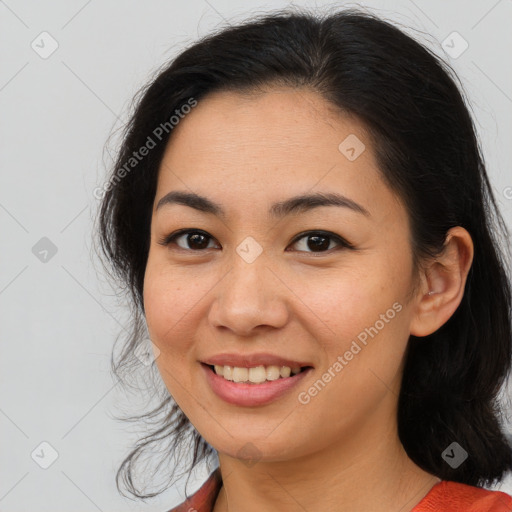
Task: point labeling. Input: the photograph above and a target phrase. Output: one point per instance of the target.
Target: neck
(368, 467)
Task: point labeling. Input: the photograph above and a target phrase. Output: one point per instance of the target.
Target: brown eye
(319, 241)
(188, 240)
(315, 241)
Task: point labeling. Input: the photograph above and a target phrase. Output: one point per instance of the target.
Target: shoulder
(204, 498)
(445, 496)
(448, 496)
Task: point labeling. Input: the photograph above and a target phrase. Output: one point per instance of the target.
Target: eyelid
(170, 238)
(342, 242)
(327, 234)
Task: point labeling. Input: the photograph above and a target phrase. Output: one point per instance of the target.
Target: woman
(301, 213)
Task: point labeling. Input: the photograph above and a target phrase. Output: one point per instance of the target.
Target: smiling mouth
(256, 375)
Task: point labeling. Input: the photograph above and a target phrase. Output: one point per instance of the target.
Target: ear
(443, 282)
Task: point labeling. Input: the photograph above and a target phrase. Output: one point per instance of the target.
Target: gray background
(59, 317)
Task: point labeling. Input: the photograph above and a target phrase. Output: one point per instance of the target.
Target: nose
(249, 297)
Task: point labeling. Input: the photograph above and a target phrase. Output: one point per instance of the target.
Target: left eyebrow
(306, 202)
(293, 205)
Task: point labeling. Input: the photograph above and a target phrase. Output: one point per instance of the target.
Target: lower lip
(248, 395)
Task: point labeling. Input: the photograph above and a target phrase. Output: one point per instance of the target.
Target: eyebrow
(293, 205)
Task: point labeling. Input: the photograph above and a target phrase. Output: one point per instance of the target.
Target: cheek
(156, 300)
(165, 304)
(362, 318)
(348, 301)
(175, 303)
(363, 348)
(165, 312)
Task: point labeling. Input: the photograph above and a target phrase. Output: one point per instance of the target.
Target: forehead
(273, 119)
(268, 145)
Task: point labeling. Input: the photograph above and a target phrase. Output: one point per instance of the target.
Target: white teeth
(285, 371)
(273, 373)
(228, 372)
(240, 374)
(257, 374)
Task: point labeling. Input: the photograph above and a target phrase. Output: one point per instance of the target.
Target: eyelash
(170, 239)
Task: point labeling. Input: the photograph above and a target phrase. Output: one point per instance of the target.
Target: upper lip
(252, 360)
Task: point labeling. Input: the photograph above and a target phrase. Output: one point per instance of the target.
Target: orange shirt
(445, 496)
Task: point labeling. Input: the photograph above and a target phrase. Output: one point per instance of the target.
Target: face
(325, 285)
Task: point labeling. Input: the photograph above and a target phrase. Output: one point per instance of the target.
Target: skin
(341, 450)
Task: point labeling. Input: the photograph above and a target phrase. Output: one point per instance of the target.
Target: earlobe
(443, 284)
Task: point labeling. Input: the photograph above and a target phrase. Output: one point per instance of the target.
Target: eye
(192, 238)
(197, 240)
(320, 240)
